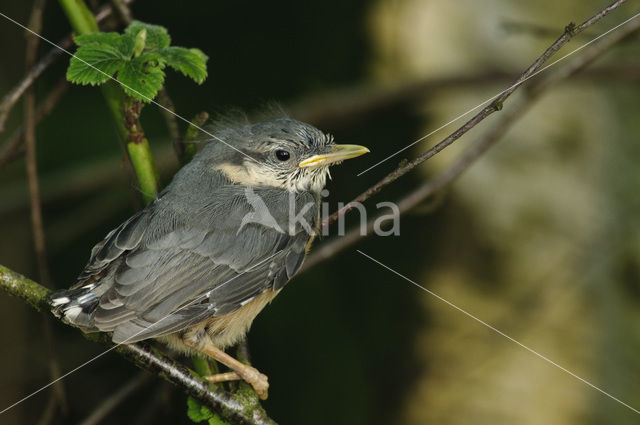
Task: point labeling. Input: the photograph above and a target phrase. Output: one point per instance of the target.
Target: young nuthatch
(195, 267)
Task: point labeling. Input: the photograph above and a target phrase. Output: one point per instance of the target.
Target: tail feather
(75, 306)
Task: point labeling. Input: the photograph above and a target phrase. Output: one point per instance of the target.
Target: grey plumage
(188, 256)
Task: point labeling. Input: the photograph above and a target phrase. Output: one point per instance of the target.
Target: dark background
(541, 239)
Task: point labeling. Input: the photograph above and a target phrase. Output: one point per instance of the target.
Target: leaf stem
(79, 16)
(126, 116)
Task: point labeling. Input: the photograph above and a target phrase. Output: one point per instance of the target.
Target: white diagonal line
(124, 85)
(125, 341)
(482, 322)
(499, 94)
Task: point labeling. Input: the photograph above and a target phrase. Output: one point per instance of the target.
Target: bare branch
(570, 31)
(30, 142)
(14, 147)
(431, 187)
(177, 141)
(111, 402)
(346, 107)
(58, 396)
(10, 99)
(122, 10)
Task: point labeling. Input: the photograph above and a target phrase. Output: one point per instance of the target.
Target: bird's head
(281, 153)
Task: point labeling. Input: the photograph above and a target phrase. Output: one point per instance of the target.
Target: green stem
(189, 148)
(145, 169)
(128, 125)
(138, 149)
(79, 16)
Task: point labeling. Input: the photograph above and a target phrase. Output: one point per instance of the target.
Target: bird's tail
(75, 306)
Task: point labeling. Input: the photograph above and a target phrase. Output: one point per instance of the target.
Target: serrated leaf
(110, 38)
(157, 36)
(142, 77)
(122, 42)
(95, 64)
(217, 420)
(197, 412)
(126, 44)
(190, 62)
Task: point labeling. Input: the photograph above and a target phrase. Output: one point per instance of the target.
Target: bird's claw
(259, 381)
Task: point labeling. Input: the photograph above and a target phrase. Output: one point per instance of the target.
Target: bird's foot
(251, 375)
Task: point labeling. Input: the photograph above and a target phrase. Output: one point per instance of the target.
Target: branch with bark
(239, 407)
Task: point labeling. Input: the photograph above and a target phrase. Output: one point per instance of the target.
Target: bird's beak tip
(338, 153)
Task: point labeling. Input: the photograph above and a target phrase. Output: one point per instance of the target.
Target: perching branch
(496, 105)
(239, 407)
(506, 121)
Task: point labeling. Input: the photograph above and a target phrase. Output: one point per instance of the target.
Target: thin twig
(533, 28)
(235, 407)
(11, 98)
(123, 11)
(431, 187)
(346, 107)
(169, 116)
(58, 397)
(30, 142)
(570, 31)
(154, 405)
(111, 402)
(14, 148)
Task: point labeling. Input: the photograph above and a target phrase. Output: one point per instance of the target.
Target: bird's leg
(251, 375)
(223, 377)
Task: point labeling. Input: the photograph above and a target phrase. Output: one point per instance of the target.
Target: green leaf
(123, 43)
(190, 62)
(110, 38)
(198, 412)
(157, 36)
(142, 77)
(217, 420)
(95, 64)
(137, 57)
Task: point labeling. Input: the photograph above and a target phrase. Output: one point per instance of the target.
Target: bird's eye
(282, 155)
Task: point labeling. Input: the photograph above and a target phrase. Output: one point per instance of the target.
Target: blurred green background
(540, 238)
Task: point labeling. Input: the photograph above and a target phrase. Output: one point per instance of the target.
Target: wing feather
(166, 269)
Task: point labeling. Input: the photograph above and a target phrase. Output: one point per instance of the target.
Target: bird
(198, 263)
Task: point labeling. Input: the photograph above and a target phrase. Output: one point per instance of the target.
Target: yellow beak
(338, 153)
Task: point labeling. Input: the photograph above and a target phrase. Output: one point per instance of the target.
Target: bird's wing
(160, 273)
